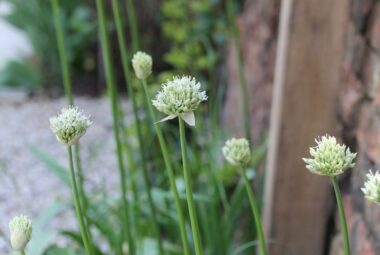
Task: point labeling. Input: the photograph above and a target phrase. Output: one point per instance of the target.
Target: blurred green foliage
(20, 73)
(195, 30)
(35, 18)
(220, 225)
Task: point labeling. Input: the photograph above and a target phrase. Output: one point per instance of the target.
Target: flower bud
(371, 187)
(237, 152)
(180, 97)
(21, 232)
(329, 158)
(125, 248)
(142, 64)
(69, 125)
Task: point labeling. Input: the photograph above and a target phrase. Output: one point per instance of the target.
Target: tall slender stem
(70, 100)
(169, 168)
(110, 80)
(342, 217)
(132, 21)
(22, 252)
(62, 52)
(128, 78)
(133, 25)
(82, 225)
(256, 214)
(189, 194)
(123, 49)
(82, 194)
(242, 76)
(126, 71)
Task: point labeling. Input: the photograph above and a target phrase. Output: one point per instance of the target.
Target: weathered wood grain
(305, 105)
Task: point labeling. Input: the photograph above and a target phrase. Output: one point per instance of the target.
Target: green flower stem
(342, 217)
(132, 21)
(133, 169)
(68, 91)
(69, 96)
(82, 226)
(82, 194)
(110, 80)
(150, 199)
(242, 76)
(256, 214)
(133, 25)
(22, 252)
(153, 214)
(62, 52)
(169, 168)
(128, 78)
(189, 194)
(218, 182)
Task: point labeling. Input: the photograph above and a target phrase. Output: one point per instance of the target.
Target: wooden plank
(311, 39)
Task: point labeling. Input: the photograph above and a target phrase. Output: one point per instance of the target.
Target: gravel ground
(26, 185)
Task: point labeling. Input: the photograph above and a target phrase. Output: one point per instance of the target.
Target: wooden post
(307, 74)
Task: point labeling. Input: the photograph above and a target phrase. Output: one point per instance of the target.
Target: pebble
(27, 186)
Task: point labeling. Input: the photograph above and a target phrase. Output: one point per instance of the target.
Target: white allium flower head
(237, 152)
(142, 64)
(69, 125)
(329, 158)
(21, 232)
(180, 97)
(371, 187)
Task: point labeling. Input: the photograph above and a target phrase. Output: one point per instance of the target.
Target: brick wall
(360, 123)
(258, 33)
(359, 106)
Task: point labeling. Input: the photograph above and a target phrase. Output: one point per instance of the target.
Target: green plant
(168, 166)
(127, 74)
(112, 91)
(82, 225)
(187, 26)
(67, 85)
(342, 216)
(69, 126)
(212, 191)
(196, 31)
(329, 158)
(179, 98)
(20, 73)
(237, 152)
(35, 18)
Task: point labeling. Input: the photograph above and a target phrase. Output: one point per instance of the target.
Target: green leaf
(102, 216)
(60, 251)
(60, 171)
(77, 238)
(244, 247)
(42, 235)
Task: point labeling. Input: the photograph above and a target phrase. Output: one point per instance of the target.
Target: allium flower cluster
(329, 158)
(69, 125)
(142, 65)
(180, 97)
(237, 152)
(21, 232)
(371, 187)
